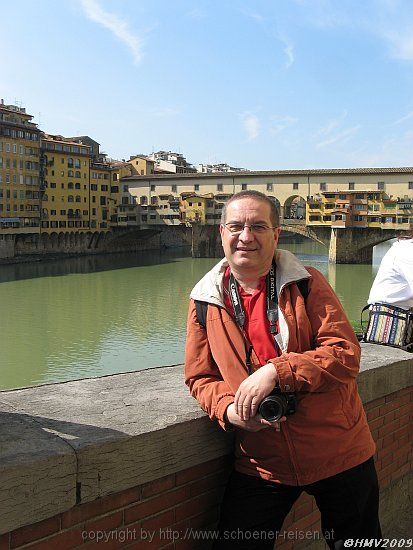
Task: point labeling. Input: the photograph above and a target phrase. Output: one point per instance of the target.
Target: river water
(91, 316)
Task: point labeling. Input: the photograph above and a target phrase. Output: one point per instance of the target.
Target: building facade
(168, 161)
(19, 171)
(344, 209)
(292, 191)
(65, 182)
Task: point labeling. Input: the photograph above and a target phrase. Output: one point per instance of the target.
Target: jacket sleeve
(202, 374)
(334, 357)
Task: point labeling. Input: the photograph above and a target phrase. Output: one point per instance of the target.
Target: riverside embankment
(132, 455)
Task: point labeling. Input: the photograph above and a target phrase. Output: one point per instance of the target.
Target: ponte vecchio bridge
(349, 210)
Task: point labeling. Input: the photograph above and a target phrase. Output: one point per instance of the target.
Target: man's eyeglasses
(238, 228)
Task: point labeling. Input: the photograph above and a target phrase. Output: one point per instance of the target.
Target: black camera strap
(272, 309)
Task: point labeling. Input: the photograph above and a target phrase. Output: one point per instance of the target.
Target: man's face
(249, 251)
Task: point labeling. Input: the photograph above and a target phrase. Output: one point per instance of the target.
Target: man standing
(273, 325)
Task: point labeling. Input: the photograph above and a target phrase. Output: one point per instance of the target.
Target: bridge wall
(24, 247)
(132, 456)
(345, 245)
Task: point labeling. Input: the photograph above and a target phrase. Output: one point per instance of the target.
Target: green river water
(91, 316)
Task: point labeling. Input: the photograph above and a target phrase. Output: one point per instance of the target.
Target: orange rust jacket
(320, 361)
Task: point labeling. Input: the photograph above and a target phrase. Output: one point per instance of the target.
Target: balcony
(174, 203)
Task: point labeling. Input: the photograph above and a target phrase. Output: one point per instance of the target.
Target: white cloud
(393, 151)
(332, 125)
(280, 123)
(340, 137)
(115, 24)
(288, 49)
(289, 52)
(251, 125)
(197, 13)
(162, 112)
(401, 45)
(403, 118)
(255, 16)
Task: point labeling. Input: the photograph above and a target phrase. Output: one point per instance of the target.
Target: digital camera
(277, 404)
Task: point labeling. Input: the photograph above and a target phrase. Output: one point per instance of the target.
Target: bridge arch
(294, 208)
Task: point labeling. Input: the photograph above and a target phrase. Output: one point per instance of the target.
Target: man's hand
(253, 390)
(254, 424)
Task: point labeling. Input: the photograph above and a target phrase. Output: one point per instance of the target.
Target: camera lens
(272, 408)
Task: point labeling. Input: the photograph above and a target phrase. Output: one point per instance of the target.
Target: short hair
(257, 195)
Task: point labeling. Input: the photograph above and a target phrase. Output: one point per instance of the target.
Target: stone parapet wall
(21, 247)
(131, 456)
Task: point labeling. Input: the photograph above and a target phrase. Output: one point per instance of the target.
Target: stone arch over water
(295, 207)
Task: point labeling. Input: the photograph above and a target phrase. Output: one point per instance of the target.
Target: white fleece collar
(210, 288)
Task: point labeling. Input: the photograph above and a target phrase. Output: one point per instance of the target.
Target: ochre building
(19, 171)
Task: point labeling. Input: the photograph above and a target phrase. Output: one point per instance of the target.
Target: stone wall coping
(66, 443)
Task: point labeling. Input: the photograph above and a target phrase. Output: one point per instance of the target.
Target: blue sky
(269, 84)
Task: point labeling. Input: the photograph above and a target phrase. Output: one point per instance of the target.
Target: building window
(196, 187)
(295, 185)
(153, 187)
(380, 185)
(220, 187)
(410, 184)
(351, 186)
(323, 187)
(269, 186)
(174, 188)
(244, 186)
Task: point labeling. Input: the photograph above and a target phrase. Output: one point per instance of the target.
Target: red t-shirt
(256, 326)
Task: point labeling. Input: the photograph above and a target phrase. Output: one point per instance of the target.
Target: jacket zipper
(284, 426)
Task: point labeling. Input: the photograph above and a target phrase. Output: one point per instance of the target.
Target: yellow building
(66, 194)
(195, 208)
(141, 165)
(342, 209)
(19, 171)
(101, 202)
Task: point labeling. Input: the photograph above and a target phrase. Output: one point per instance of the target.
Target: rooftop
(279, 173)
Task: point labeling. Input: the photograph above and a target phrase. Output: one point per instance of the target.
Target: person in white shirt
(394, 280)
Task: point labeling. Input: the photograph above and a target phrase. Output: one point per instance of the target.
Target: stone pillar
(205, 241)
(7, 247)
(345, 247)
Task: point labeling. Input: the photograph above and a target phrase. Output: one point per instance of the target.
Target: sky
(263, 84)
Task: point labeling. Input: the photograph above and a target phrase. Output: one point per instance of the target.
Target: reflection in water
(81, 317)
